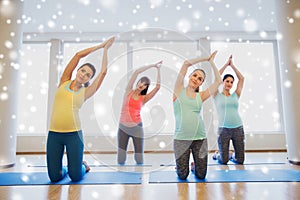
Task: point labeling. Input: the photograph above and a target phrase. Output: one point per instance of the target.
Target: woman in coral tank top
(130, 125)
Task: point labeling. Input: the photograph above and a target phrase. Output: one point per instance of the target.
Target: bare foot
(192, 166)
(231, 152)
(87, 167)
(215, 155)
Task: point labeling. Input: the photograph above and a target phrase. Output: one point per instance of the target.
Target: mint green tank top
(227, 109)
(188, 122)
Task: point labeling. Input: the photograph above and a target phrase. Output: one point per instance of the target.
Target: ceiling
(126, 15)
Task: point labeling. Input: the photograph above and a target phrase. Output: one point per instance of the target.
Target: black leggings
(182, 149)
(137, 135)
(237, 136)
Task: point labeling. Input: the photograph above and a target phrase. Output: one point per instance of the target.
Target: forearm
(142, 69)
(237, 72)
(218, 78)
(104, 62)
(158, 78)
(221, 71)
(89, 50)
(195, 61)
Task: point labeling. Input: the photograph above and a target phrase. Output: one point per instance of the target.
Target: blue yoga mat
(219, 176)
(91, 178)
(104, 165)
(231, 163)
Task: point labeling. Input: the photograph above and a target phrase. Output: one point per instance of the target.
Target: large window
(259, 102)
(33, 89)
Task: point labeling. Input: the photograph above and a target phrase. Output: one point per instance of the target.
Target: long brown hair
(145, 80)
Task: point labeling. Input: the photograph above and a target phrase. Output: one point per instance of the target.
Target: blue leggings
(56, 144)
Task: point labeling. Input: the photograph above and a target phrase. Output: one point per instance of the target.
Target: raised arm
(240, 77)
(179, 84)
(213, 88)
(151, 94)
(135, 74)
(225, 65)
(67, 74)
(92, 89)
(223, 69)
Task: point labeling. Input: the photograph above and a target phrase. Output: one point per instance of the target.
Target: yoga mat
(218, 164)
(104, 165)
(221, 176)
(91, 178)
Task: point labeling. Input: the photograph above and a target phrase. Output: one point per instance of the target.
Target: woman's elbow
(186, 63)
(219, 80)
(242, 78)
(103, 73)
(158, 86)
(78, 55)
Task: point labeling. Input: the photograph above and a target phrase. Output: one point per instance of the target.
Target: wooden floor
(215, 191)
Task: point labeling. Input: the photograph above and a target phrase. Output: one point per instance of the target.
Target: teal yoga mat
(91, 178)
(219, 176)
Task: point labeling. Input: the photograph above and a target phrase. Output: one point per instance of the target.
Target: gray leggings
(237, 136)
(182, 149)
(137, 135)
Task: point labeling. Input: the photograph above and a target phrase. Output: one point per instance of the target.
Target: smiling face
(196, 78)
(143, 85)
(228, 83)
(84, 74)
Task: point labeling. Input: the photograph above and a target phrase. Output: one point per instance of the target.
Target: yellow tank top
(65, 112)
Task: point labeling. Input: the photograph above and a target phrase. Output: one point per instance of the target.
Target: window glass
(259, 105)
(33, 89)
(157, 114)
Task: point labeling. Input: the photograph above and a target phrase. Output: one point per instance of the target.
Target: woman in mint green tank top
(190, 135)
(230, 122)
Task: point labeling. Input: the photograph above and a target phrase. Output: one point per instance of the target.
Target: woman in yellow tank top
(65, 130)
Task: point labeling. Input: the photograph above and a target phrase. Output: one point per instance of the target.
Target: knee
(223, 162)
(55, 178)
(75, 177)
(139, 158)
(182, 175)
(239, 161)
(121, 160)
(223, 159)
(201, 175)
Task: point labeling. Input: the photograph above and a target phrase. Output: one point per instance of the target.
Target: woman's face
(228, 83)
(196, 79)
(141, 86)
(84, 74)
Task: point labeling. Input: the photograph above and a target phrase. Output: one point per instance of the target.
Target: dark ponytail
(145, 80)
